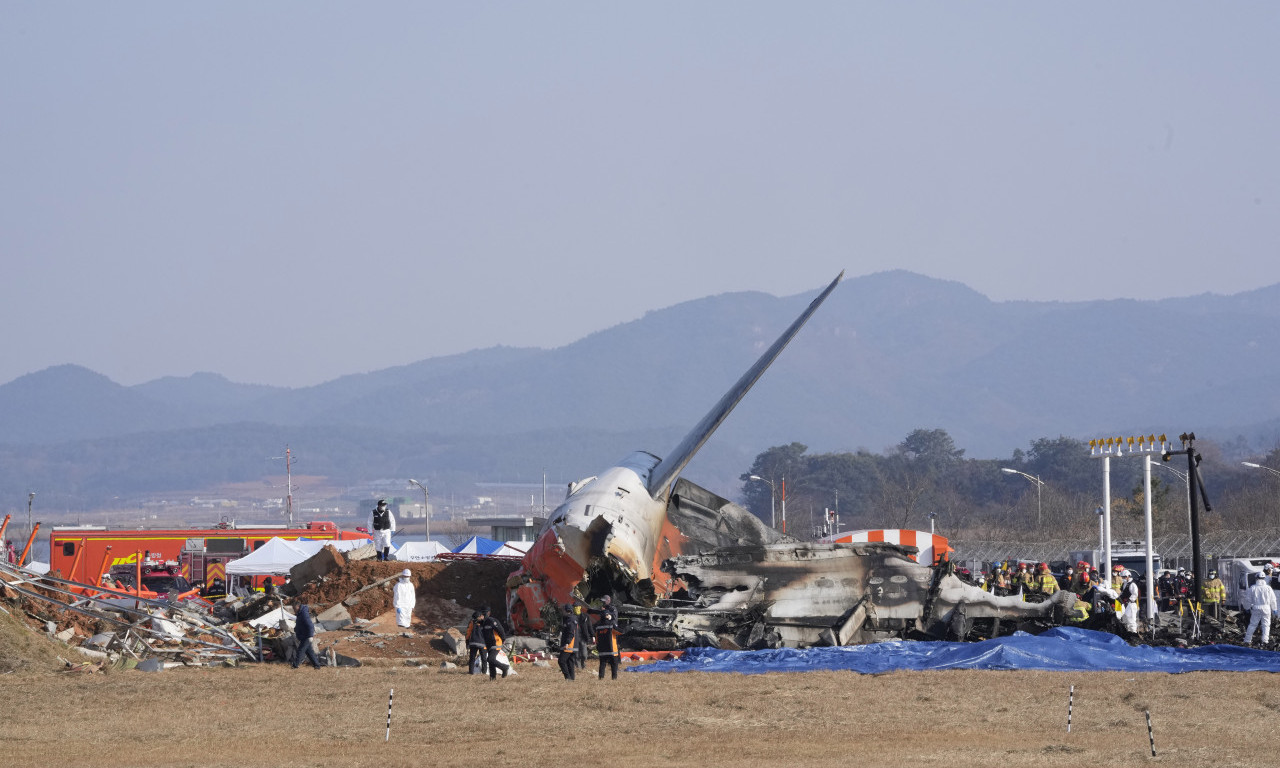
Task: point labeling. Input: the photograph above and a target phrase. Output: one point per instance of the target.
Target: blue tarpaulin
(1066, 649)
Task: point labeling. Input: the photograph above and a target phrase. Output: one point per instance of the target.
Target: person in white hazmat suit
(1261, 602)
(382, 524)
(1128, 601)
(403, 599)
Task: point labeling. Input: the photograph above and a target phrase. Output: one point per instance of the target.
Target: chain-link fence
(1174, 550)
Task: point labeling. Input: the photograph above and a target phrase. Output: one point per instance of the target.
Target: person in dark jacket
(568, 642)
(606, 635)
(493, 631)
(584, 637)
(475, 645)
(304, 629)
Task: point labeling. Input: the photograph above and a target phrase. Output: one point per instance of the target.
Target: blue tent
(1066, 649)
(479, 545)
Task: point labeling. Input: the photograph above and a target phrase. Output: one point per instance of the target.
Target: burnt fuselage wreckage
(688, 567)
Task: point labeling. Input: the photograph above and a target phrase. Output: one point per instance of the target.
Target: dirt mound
(22, 650)
(447, 591)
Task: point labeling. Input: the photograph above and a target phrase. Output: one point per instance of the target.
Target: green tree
(777, 465)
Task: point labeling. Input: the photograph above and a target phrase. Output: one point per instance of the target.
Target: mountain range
(888, 353)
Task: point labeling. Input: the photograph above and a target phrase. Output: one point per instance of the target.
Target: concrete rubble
(120, 629)
(349, 595)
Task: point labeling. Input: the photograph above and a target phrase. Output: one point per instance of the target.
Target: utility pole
(426, 507)
(1193, 473)
(288, 473)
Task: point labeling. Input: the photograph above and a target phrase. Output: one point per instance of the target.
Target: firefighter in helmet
(1024, 579)
(1213, 595)
(1117, 579)
(1045, 582)
(1081, 583)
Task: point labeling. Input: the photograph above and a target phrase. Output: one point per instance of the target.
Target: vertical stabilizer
(662, 475)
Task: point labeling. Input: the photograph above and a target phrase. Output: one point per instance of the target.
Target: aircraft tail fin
(674, 463)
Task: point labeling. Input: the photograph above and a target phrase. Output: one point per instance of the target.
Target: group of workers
(484, 645)
(574, 628)
(1124, 591)
(484, 640)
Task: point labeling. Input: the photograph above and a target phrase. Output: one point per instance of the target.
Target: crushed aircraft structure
(690, 567)
(801, 594)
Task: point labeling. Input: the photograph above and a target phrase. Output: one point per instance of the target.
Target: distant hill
(887, 354)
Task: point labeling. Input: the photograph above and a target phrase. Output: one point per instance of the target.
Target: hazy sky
(284, 193)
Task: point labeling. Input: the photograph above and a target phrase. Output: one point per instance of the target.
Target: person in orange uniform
(493, 631)
(475, 646)
(607, 636)
(568, 642)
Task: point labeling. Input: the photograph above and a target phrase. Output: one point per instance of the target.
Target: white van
(1235, 571)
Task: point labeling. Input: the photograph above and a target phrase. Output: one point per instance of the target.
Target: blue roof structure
(479, 545)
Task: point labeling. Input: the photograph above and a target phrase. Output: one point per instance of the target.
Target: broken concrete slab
(363, 552)
(150, 665)
(335, 617)
(100, 640)
(66, 635)
(323, 562)
(526, 643)
(454, 641)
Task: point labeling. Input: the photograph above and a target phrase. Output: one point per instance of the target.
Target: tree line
(1049, 491)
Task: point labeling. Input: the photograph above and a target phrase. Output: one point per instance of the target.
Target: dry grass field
(276, 716)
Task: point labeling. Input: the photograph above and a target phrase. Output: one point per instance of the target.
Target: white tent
(420, 551)
(274, 558)
(514, 548)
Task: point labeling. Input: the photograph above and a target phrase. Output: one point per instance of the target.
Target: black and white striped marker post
(1150, 736)
(391, 696)
(1071, 700)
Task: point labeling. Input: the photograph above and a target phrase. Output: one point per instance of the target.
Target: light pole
(1038, 483)
(1275, 472)
(426, 510)
(1187, 481)
(773, 494)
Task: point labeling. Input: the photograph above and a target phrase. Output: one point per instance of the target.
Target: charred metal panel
(824, 593)
(709, 521)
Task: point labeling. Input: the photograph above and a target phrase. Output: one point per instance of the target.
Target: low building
(509, 528)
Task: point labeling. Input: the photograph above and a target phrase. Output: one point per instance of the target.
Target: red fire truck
(84, 553)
